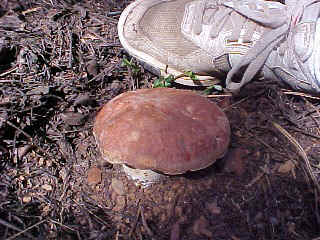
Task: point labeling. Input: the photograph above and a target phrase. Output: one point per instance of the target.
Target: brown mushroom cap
(166, 130)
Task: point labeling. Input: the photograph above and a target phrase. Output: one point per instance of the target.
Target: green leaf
(125, 63)
(157, 83)
(210, 89)
(218, 87)
(129, 64)
(163, 81)
(191, 75)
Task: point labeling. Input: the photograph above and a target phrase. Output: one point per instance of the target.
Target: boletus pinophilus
(161, 131)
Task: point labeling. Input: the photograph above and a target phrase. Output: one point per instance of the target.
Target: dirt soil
(60, 62)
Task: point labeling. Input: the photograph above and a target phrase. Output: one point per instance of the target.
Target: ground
(60, 62)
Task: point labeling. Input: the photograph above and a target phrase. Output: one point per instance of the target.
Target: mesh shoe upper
(150, 31)
(211, 37)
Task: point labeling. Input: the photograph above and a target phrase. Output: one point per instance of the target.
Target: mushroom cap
(161, 129)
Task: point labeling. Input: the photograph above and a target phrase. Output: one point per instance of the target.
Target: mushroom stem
(143, 178)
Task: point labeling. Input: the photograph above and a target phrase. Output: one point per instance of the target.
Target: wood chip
(118, 186)
(26, 199)
(47, 187)
(286, 167)
(94, 176)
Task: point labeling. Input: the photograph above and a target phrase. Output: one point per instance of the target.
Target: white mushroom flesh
(142, 178)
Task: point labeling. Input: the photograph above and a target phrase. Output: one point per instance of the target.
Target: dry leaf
(94, 176)
(286, 167)
(118, 186)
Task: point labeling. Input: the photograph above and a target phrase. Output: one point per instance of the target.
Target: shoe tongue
(189, 18)
(196, 24)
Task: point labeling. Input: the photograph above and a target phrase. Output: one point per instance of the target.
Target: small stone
(120, 203)
(47, 187)
(63, 173)
(73, 118)
(83, 99)
(49, 163)
(200, 227)
(118, 186)
(26, 199)
(45, 210)
(92, 67)
(41, 161)
(5, 101)
(94, 176)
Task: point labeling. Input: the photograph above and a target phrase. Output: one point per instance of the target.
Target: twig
(31, 10)
(62, 225)
(105, 72)
(116, 13)
(9, 81)
(144, 222)
(301, 152)
(236, 103)
(256, 179)
(316, 204)
(70, 49)
(25, 134)
(8, 225)
(301, 94)
(218, 95)
(316, 110)
(267, 145)
(103, 39)
(90, 212)
(136, 220)
(27, 229)
(65, 226)
(8, 72)
(305, 132)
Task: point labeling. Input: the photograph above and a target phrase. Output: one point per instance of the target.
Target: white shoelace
(281, 26)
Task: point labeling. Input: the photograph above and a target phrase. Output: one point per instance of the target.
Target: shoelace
(280, 25)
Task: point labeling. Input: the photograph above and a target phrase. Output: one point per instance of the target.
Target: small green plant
(212, 88)
(164, 81)
(191, 75)
(167, 81)
(130, 65)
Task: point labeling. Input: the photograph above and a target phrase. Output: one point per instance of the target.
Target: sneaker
(226, 39)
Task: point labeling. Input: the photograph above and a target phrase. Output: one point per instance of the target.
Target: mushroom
(158, 131)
